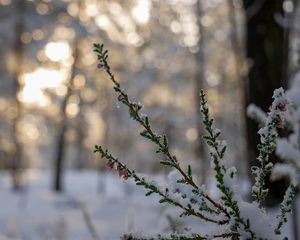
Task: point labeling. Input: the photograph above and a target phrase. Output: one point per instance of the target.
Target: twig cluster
(182, 191)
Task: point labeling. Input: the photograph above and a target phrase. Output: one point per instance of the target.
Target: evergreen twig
(268, 135)
(160, 141)
(225, 212)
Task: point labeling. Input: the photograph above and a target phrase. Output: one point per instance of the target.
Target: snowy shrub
(230, 217)
(287, 148)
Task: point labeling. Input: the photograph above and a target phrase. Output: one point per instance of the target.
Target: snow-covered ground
(93, 206)
(91, 201)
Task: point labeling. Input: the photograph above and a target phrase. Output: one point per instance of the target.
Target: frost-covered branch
(135, 113)
(268, 135)
(160, 141)
(223, 174)
(165, 195)
(285, 208)
(286, 148)
(237, 218)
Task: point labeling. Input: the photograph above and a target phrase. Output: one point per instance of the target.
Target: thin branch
(160, 141)
(128, 173)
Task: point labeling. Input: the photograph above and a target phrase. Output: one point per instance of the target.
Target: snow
(114, 206)
(256, 113)
(37, 213)
(260, 222)
(286, 151)
(293, 92)
(281, 170)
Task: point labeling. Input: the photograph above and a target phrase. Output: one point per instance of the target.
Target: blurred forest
(55, 104)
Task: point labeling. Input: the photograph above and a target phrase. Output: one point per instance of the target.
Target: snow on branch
(285, 208)
(230, 216)
(257, 114)
(268, 135)
(287, 148)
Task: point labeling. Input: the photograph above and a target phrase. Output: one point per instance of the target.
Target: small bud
(110, 164)
(282, 106)
(122, 172)
(133, 108)
(278, 122)
(100, 65)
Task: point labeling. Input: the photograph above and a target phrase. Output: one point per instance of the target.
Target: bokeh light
(141, 12)
(57, 51)
(34, 83)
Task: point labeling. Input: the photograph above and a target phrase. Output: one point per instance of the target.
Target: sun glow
(57, 51)
(141, 11)
(34, 84)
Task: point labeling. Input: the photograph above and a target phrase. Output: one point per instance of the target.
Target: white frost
(259, 221)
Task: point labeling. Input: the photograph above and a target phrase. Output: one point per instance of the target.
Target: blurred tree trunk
(200, 82)
(238, 47)
(61, 143)
(80, 136)
(239, 52)
(265, 50)
(16, 165)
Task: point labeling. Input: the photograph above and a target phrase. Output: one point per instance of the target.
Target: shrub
(287, 148)
(230, 216)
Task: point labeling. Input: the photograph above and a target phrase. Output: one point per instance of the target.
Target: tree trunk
(239, 52)
(199, 82)
(16, 166)
(61, 143)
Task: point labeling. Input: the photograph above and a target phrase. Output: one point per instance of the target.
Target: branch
(285, 208)
(268, 135)
(160, 141)
(125, 172)
(217, 154)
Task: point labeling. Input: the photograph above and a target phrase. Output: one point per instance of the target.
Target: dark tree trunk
(60, 155)
(80, 158)
(16, 165)
(61, 143)
(265, 50)
(199, 82)
(239, 53)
